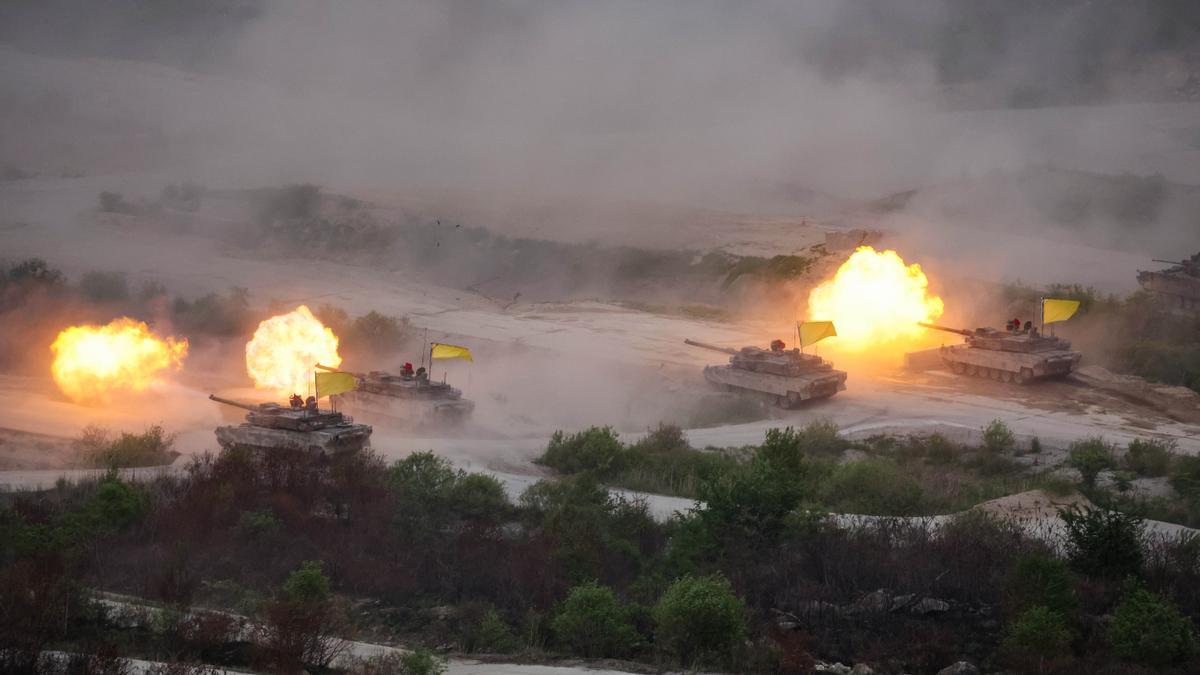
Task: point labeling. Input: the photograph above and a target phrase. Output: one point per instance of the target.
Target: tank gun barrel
(960, 331)
(1185, 263)
(337, 370)
(705, 345)
(236, 404)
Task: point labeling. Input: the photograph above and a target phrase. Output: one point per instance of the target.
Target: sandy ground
(551, 365)
(588, 359)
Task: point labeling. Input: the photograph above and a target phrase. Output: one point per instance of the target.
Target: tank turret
(306, 427)
(787, 376)
(1015, 355)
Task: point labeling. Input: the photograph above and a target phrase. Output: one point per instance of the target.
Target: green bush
(1039, 631)
(114, 507)
(1148, 629)
(786, 449)
(592, 528)
(939, 450)
(665, 439)
(294, 202)
(213, 314)
(97, 448)
(1104, 543)
(431, 494)
(114, 202)
(307, 585)
(997, 437)
(376, 333)
(257, 524)
(104, 286)
(1089, 457)
(490, 634)
(700, 620)
(1150, 457)
(1041, 580)
(1185, 478)
(872, 487)
(421, 662)
(591, 622)
(35, 270)
(595, 449)
(479, 497)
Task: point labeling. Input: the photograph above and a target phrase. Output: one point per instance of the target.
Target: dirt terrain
(622, 354)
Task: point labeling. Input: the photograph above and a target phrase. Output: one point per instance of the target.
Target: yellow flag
(815, 331)
(329, 384)
(1058, 310)
(441, 351)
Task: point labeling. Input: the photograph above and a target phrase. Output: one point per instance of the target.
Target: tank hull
(1008, 366)
(410, 412)
(785, 391)
(330, 440)
(1181, 291)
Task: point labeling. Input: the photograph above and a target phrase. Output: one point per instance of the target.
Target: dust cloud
(1061, 148)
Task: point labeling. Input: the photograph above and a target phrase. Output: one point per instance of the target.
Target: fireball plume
(285, 348)
(93, 362)
(875, 299)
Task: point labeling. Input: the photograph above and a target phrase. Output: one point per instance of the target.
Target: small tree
(1148, 629)
(104, 286)
(1042, 580)
(592, 623)
(299, 628)
(1150, 457)
(377, 333)
(700, 620)
(489, 633)
(1038, 632)
(594, 449)
(1089, 457)
(1104, 543)
(997, 437)
(1185, 478)
(665, 438)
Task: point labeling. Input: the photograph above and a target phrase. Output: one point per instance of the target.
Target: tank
(786, 376)
(270, 425)
(1007, 356)
(1178, 285)
(407, 399)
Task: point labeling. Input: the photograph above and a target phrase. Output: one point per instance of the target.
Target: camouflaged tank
(787, 376)
(1006, 355)
(270, 425)
(405, 400)
(1178, 286)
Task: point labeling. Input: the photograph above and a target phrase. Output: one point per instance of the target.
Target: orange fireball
(875, 300)
(286, 348)
(93, 362)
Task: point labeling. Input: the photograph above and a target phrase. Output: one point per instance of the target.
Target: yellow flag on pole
(812, 332)
(441, 351)
(329, 384)
(1058, 310)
